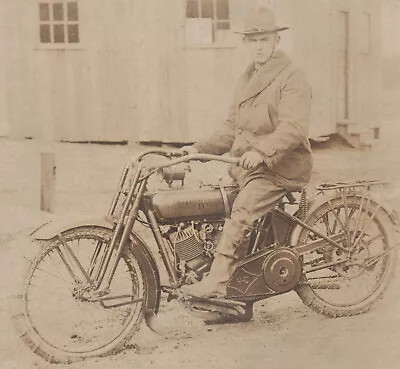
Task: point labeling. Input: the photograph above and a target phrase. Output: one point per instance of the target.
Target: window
(59, 22)
(207, 20)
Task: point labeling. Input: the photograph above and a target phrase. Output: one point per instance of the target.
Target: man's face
(261, 46)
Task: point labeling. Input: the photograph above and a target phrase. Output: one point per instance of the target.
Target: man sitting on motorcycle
(267, 128)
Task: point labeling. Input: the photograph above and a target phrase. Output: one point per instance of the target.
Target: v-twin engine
(194, 243)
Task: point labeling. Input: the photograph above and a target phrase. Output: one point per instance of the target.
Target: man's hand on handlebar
(187, 150)
(251, 160)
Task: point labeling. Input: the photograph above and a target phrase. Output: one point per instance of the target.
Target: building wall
(368, 74)
(312, 48)
(3, 100)
(136, 77)
(391, 28)
(391, 45)
(86, 93)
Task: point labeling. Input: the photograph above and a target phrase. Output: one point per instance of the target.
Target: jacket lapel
(253, 85)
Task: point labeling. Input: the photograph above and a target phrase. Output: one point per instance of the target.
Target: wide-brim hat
(260, 20)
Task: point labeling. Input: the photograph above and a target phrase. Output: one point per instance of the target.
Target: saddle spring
(303, 205)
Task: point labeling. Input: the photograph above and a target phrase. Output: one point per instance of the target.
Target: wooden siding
(209, 89)
(3, 89)
(369, 75)
(133, 77)
(79, 94)
(311, 47)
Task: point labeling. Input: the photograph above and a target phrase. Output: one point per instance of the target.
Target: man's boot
(230, 250)
(214, 284)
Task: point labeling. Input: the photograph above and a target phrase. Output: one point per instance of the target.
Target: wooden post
(48, 177)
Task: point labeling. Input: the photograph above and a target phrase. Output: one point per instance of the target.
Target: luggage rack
(351, 185)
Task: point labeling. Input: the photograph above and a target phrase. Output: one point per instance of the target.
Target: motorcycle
(94, 281)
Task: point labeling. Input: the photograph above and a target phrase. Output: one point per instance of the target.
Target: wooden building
(3, 90)
(391, 48)
(164, 70)
(390, 28)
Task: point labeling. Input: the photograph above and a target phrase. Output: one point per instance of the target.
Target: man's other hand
(251, 160)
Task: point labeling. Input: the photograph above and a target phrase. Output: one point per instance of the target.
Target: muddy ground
(283, 333)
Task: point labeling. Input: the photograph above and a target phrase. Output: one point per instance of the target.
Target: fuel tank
(176, 205)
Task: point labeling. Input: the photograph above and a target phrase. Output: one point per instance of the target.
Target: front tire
(59, 319)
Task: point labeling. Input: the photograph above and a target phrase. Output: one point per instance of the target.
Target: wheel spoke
(360, 212)
(60, 277)
(67, 266)
(375, 259)
(337, 216)
(75, 259)
(93, 261)
(325, 219)
(373, 239)
(363, 232)
(346, 217)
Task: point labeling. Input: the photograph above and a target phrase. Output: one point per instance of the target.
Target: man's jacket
(270, 114)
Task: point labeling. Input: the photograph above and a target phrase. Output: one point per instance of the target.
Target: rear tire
(321, 289)
(63, 328)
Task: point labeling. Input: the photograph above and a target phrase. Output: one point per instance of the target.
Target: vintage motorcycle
(87, 291)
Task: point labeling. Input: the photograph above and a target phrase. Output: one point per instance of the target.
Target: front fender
(52, 228)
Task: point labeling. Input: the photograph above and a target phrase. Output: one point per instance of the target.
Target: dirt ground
(283, 333)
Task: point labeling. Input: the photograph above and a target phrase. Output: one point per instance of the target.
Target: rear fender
(322, 198)
(141, 251)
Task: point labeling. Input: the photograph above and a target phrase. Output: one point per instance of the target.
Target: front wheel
(348, 281)
(61, 318)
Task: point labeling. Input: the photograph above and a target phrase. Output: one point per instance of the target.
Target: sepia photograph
(199, 184)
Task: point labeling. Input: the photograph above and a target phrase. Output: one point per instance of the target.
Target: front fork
(98, 269)
(124, 227)
(122, 233)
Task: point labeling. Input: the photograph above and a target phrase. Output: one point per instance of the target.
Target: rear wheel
(339, 282)
(61, 317)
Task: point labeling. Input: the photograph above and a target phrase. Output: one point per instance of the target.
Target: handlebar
(181, 159)
(198, 157)
(162, 152)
